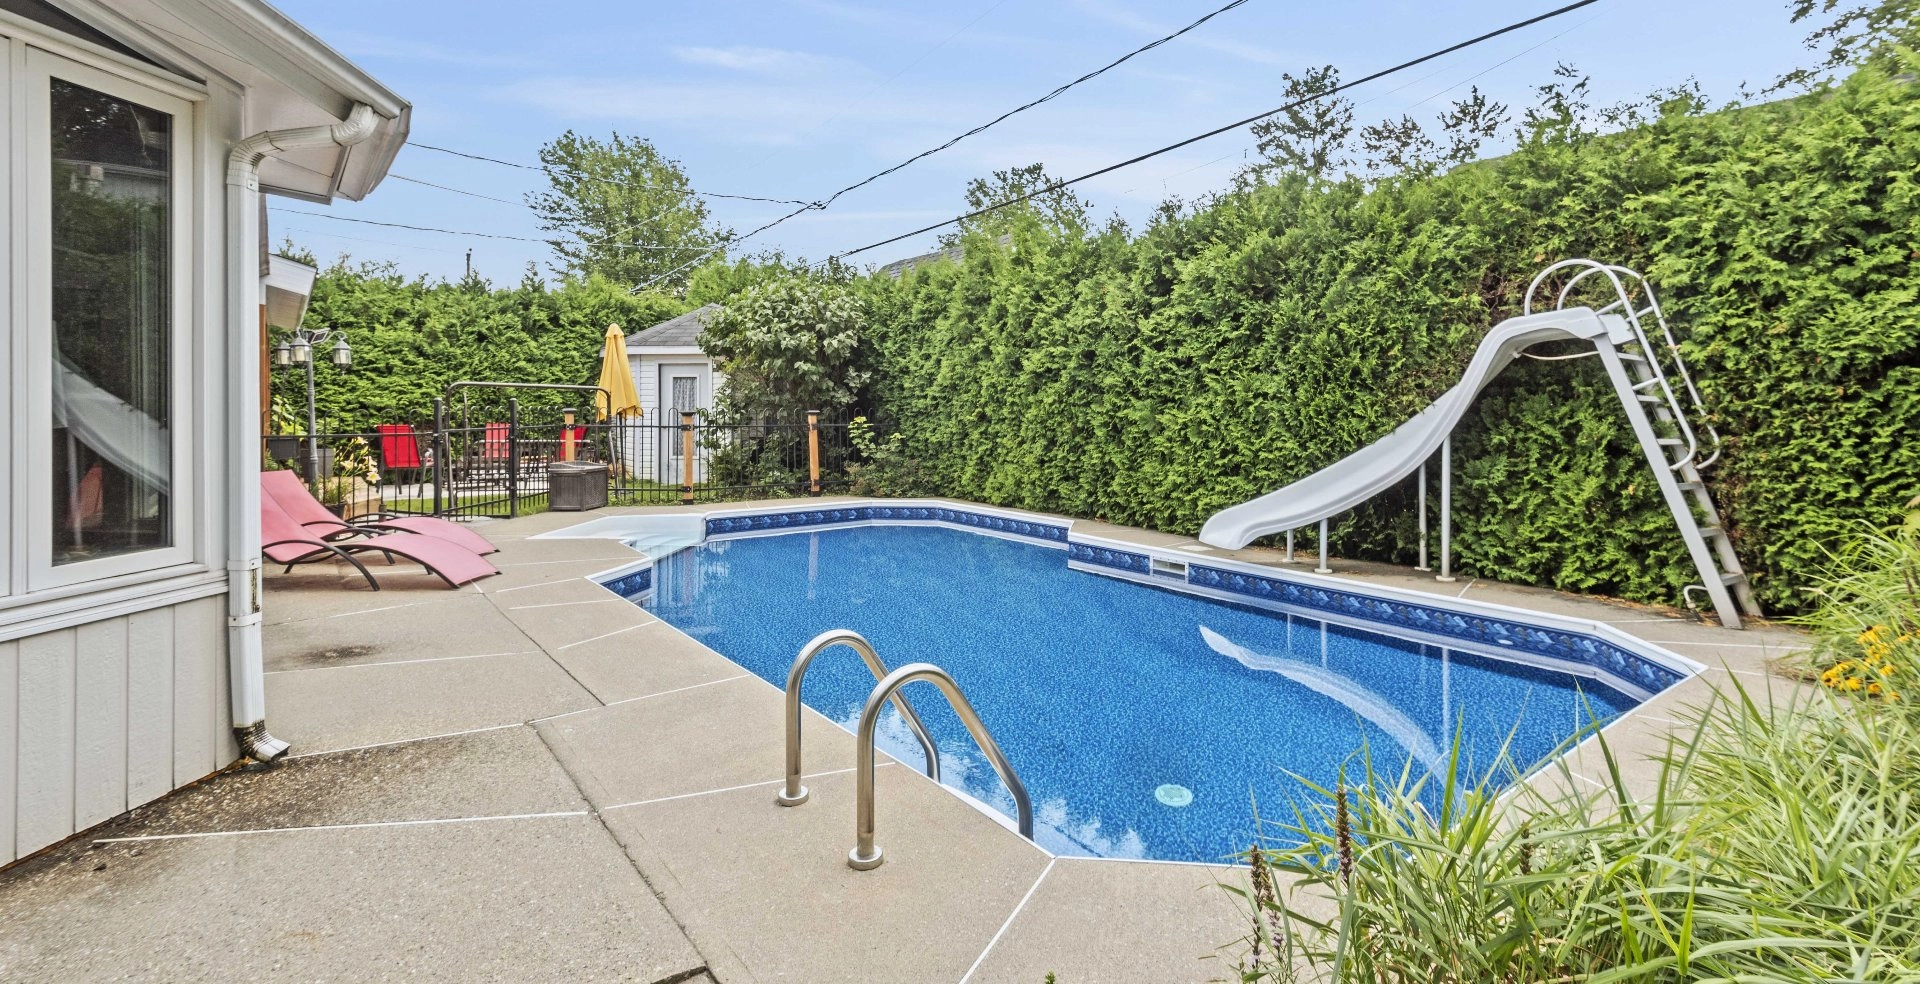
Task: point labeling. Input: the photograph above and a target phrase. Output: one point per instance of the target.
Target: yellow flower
(1853, 683)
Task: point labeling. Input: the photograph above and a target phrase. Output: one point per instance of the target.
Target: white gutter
(245, 664)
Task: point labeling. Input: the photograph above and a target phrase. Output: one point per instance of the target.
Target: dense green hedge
(1224, 351)
(411, 337)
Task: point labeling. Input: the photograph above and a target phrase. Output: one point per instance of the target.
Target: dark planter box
(283, 448)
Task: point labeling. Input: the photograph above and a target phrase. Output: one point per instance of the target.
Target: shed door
(684, 387)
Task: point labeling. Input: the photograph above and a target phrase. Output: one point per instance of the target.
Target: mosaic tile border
(1484, 630)
(1119, 560)
(630, 584)
(1050, 533)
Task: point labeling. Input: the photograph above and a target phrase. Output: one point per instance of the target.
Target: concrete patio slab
(516, 577)
(651, 660)
(1091, 920)
(348, 706)
(506, 772)
(558, 627)
(459, 624)
(297, 599)
(543, 899)
(713, 737)
(771, 885)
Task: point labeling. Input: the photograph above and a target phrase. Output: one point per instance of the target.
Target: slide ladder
(1662, 404)
(1662, 401)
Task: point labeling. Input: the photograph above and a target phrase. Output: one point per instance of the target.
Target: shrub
(1228, 349)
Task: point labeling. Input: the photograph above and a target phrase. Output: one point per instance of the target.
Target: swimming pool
(1145, 722)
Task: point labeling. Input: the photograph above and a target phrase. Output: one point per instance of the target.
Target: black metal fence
(492, 458)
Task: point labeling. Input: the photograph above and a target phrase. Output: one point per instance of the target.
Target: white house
(139, 138)
(672, 375)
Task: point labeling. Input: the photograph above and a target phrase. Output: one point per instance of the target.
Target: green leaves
(789, 344)
(1235, 347)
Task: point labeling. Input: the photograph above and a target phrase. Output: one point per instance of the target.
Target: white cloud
(761, 61)
(764, 113)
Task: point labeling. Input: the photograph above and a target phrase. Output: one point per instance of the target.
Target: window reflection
(112, 322)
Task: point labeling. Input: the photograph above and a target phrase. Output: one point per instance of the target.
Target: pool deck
(533, 779)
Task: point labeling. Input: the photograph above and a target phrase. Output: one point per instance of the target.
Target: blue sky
(796, 99)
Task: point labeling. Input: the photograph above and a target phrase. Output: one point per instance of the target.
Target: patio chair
(583, 449)
(488, 455)
(400, 451)
(291, 495)
(285, 541)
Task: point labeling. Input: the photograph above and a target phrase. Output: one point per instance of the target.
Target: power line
(578, 173)
(376, 242)
(1096, 73)
(1383, 73)
(889, 80)
(457, 191)
(460, 232)
(830, 199)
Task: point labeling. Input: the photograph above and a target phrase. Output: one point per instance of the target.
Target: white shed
(672, 376)
(140, 137)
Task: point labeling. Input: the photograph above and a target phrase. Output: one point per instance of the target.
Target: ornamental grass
(1779, 841)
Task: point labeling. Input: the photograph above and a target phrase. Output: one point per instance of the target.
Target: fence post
(439, 450)
(513, 456)
(813, 450)
(566, 435)
(686, 456)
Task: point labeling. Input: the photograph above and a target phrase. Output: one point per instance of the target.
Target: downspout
(245, 664)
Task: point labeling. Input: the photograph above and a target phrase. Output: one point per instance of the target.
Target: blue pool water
(1102, 691)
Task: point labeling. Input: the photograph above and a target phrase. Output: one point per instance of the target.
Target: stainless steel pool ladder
(866, 854)
(793, 793)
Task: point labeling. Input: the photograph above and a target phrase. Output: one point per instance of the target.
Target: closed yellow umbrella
(616, 378)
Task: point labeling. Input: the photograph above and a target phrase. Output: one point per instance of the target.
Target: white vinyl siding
(99, 719)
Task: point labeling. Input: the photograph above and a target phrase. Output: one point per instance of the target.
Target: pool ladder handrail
(866, 855)
(793, 793)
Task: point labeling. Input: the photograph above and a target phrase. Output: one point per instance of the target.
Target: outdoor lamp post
(298, 351)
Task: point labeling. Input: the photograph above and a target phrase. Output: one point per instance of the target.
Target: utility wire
(889, 80)
(589, 177)
(457, 191)
(830, 199)
(1096, 73)
(1383, 73)
(457, 232)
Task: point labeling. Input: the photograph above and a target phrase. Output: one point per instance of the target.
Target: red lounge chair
(285, 541)
(286, 490)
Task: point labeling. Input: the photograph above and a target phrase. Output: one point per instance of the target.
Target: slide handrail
(1623, 302)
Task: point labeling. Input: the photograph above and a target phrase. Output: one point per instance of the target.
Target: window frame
(30, 160)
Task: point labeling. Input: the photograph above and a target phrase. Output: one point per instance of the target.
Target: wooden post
(686, 456)
(566, 435)
(813, 451)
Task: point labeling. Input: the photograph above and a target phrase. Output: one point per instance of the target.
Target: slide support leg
(1323, 568)
(1446, 510)
(1422, 565)
(1289, 556)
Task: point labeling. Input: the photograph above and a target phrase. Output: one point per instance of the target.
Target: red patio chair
(284, 541)
(291, 495)
(399, 450)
